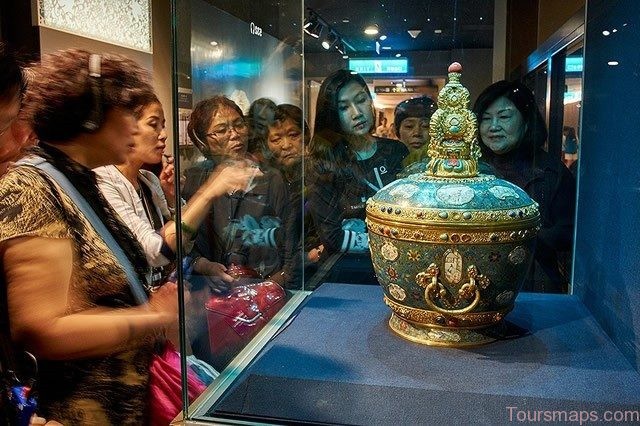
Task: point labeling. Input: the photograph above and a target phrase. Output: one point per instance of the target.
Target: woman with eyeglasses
(146, 203)
(244, 230)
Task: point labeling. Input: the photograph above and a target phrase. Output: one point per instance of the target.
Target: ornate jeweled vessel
(450, 246)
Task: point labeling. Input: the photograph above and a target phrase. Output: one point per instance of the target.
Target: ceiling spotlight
(398, 55)
(345, 56)
(383, 37)
(330, 40)
(437, 31)
(414, 33)
(213, 43)
(313, 26)
(372, 29)
(340, 47)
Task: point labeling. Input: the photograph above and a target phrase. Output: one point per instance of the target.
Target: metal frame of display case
(227, 377)
(552, 53)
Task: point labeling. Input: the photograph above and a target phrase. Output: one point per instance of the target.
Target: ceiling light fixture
(330, 40)
(398, 55)
(414, 33)
(372, 29)
(313, 25)
(383, 37)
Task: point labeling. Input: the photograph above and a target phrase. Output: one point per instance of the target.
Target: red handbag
(236, 317)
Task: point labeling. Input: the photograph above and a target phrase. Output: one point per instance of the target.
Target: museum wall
(607, 259)
(531, 23)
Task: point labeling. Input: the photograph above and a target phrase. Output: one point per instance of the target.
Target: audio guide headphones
(96, 114)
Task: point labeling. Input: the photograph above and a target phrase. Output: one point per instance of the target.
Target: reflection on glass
(244, 104)
(512, 135)
(241, 126)
(572, 103)
(346, 166)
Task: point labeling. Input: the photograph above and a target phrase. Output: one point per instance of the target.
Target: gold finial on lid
(453, 148)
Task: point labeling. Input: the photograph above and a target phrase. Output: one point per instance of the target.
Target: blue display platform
(339, 363)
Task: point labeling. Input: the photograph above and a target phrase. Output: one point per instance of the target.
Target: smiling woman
(512, 135)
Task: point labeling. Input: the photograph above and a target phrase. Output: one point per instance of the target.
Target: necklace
(367, 153)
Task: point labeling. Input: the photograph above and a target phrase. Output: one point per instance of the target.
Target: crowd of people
(88, 235)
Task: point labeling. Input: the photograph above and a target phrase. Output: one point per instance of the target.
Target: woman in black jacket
(346, 166)
(513, 135)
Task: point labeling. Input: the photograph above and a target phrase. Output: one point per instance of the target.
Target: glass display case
(294, 322)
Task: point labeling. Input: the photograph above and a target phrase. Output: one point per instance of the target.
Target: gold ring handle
(429, 280)
(432, 288)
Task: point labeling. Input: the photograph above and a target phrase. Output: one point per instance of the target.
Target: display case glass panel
(289, 52)
(241, 137)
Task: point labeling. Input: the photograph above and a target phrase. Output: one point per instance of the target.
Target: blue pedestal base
(339, 363)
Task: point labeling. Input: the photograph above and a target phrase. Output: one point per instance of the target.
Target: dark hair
(285, 112)
(421, 107)
(60, 97)
(201, 117)
(282, 113)
(327, 117)
(152, 99)
(536, 133)
(12, 80)
(570, 131)
(260, 104)
(329, 152)
(257, 129)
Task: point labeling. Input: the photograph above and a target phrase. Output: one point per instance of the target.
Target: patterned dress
(102, 391)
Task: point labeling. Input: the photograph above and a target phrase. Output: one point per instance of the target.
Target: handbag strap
(137, 289)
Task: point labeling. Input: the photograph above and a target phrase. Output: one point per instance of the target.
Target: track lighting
(329, 40)
(313, 26)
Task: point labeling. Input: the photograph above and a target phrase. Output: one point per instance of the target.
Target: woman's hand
(164, 301)
(232, 177)
(208, 268)
(167, 180)
(215, 275)
(36, 420)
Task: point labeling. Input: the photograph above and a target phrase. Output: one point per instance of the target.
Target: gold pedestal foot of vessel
(443, 336)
